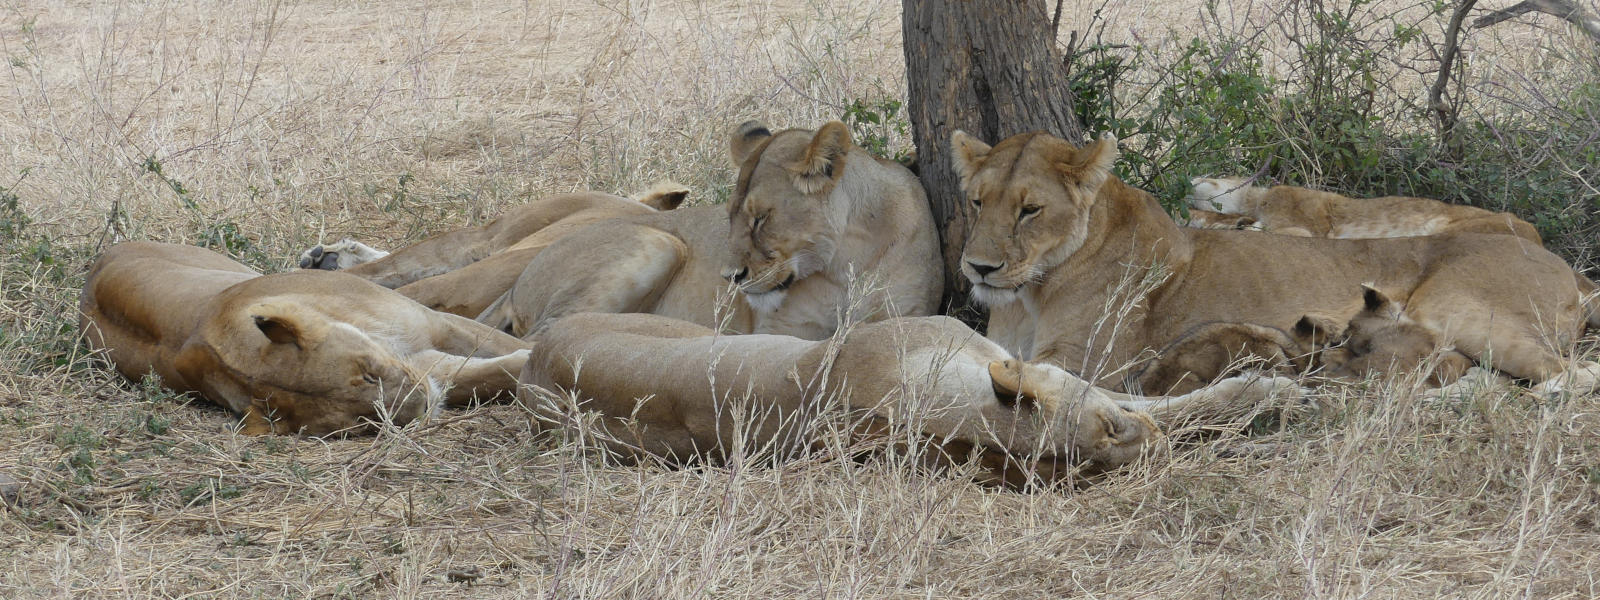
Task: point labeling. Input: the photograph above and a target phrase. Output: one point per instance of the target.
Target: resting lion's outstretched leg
(339, 255)
(1231, 396)
(469, 290)
(439, 254)
(470, 377)
(618, 268)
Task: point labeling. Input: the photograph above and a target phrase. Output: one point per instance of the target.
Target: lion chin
(766, 302)
(992, 296)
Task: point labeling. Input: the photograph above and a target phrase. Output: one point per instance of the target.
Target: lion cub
(1381, 339)
(1304, 212)
(312, 352)
(1378, 339)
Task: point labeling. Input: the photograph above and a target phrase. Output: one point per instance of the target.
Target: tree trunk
(987, 67)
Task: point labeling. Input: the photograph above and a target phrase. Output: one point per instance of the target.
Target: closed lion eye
(369, 378)
(1028, 211)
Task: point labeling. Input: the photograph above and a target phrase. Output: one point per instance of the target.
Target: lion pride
(1086, 272)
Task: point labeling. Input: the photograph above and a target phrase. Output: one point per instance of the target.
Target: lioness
(677, 390)
(811, 214)
(307, 352)
(463, 271)
(1086, 272)
(1290, 210)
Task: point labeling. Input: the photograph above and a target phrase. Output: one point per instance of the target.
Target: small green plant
(206, 491)
(80, 443)
(13, 222)
(876, 125)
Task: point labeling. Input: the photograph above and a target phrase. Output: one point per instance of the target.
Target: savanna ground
(258, 128)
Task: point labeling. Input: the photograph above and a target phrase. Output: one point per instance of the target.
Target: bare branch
(1452, 47)
(1567, 10)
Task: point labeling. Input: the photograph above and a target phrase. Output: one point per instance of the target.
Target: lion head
(290, 369)
(782, 222)
(1031, 194)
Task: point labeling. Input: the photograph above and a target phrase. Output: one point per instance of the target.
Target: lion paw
(1583, 378)
(344, 254)
(1257, 388)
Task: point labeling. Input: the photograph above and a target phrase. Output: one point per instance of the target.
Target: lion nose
(737, 276)
(984, 270)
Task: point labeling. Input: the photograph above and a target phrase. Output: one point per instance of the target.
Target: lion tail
(499, 315)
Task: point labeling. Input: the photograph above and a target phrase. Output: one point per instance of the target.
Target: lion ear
(823, 162)
(969, 154)
(1006, 377)
(746, 137)
(1014, 386)
(664, 195)
(1318, 329)
(284, 325)
(1090, 165)
(1375, 301)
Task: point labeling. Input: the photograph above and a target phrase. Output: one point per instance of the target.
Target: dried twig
(1567, 10)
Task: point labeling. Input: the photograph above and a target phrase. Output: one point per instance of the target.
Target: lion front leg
(433, 256)
(619, 269)
(467, 377)
(1223, 401)
(339, 255)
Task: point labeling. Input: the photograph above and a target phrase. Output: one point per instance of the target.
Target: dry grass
(276, 124)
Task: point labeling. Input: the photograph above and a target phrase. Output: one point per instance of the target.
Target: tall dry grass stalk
(259, 127)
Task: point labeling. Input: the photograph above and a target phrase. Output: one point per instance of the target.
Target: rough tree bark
(987, 67)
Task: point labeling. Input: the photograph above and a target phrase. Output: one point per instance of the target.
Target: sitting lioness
(1290, 210)
(463, 271)
(676, 390)
(811, 216)
(1085, 272)
(307, 352)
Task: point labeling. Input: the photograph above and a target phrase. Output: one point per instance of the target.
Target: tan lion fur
(831, 215)
(676, 390)
(1206, 219)
(1058, 272)
(1382, 340)
(464, 271)
(308, 352)
(1290, 210)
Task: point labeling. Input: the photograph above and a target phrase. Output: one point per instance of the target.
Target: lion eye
(761, 220)
(369, 378)
(1028, 211)
(976, 203)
